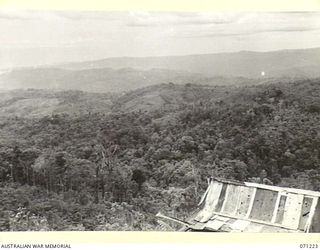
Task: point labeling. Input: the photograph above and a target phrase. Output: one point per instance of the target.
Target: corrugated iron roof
(250, 207)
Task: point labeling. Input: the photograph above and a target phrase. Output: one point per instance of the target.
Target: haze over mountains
(129, 73)
(244, 63)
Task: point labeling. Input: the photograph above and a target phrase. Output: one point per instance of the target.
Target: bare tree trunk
(12, 173)
(97, 184)
(47, 182)
(27, 173)
(195, 180)
(102, 188)
(33, 178)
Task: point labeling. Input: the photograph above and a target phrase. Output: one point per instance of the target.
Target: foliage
(115, 172)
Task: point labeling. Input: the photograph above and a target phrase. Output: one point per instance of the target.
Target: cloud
(253, 23)
(148, 19)
(91, 15)
(292, 29)
(20, 15)
(62, 15)
(254, 32)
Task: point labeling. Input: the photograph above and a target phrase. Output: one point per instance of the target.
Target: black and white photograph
(172, 121)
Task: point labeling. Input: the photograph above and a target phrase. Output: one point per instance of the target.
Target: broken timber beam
(196, 227)
(181, 222)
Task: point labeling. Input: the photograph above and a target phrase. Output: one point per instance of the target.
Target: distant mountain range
(128, 73)
(303, 62)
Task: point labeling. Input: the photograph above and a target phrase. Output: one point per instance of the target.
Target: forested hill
(115, 170)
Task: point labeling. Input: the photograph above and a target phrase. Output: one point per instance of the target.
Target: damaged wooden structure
(250, 207)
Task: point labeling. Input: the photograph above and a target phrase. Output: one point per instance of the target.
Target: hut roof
(250, 207)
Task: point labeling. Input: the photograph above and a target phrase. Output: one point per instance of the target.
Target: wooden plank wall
(315, 223)
(305, 212)
(292, 210)
(245, 196)
(210, 202)
(263, 205)
(230, 204)
(280, 209)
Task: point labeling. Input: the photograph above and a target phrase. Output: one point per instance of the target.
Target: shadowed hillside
(169, 97)
(34, 103)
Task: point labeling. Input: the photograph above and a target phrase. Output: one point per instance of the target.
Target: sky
(31, 38)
